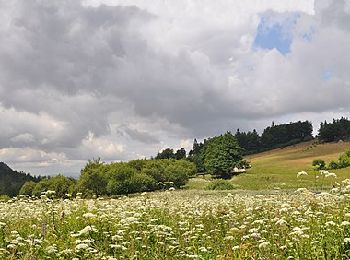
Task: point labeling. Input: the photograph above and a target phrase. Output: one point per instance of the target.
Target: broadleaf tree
(222, 154)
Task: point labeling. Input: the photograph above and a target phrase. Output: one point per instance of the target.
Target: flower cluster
(180, 225)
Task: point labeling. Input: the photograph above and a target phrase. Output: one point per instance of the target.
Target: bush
(4, 198)
(135, 176)
(319, 164)
(60, 184)
(344, 160)
(126, 180)
(40, 187)
(156, 170)
(27, 188)
(221, 185)
(176, 175)
(333, 165)
(93, 179)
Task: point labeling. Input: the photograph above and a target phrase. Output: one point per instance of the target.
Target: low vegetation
(98, 178)
(179, 225)
(221, 185)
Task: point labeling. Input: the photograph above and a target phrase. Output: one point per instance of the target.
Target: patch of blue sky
(275, 33)
(326, 75)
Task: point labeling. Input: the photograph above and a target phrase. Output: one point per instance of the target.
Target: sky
(121, 80)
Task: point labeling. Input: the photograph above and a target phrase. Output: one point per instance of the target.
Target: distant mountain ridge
(11, 181)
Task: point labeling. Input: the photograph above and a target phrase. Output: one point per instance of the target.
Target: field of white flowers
(180, 225)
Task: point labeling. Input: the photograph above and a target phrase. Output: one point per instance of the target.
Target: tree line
(117, 178)
(220, 156)
(272, 137)
(275, 136)
(11, 181)
(339, 129)
(251, 142)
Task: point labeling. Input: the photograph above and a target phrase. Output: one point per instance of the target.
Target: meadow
(272, 214)
(278, 168)
(179, 225)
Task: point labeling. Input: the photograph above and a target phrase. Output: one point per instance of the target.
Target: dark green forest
(339, 129)
(11, 181)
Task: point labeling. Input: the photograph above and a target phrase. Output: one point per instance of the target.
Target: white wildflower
(301, 173)
(81, 246)
(263, 245)
(89, 215)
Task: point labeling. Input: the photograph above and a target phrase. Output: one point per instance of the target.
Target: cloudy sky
(122, 79)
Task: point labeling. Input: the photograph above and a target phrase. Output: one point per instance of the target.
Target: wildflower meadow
(180, 224)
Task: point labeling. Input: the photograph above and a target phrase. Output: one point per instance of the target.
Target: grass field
(189, 224)
(278, 168)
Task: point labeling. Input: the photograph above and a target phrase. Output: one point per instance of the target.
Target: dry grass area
(278, 168)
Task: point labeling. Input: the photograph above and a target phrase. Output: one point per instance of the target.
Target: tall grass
(179, 225)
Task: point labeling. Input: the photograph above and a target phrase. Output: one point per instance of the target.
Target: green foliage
(180, 154)
(4, 198)
(11, 181)
(286, 134)
(220, 185)
(134, 176)
(167, 153)
(333, 165)
(196, 155)
(93, 179)
(177, 176)
(27, 188)
(343, 161)
(275, 136)
(156, 170)
(339, 129)
(137, 164)
(319, 164)
(222, 154)
(60, 184)
(123, 179)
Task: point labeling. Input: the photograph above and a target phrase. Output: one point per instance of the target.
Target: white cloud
(125, 79)
(96, 147)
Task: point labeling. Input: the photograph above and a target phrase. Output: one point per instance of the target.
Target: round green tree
(222, 154)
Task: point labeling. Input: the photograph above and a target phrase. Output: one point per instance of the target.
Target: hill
(11, 181)
(278, 168)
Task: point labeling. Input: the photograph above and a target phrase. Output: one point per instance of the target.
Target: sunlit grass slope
(278, 168)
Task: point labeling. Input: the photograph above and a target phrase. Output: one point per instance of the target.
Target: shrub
(40, 187)
(221, 185)
(93, 178)
(176, 175)
(333, 165)
(27, 188)
(4, 198)
(60, 184)
(319, 164)
(344, 160)
(135, 176)
(156, 170)
(133, 183)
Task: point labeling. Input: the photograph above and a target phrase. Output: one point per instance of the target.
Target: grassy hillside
(278, 168)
